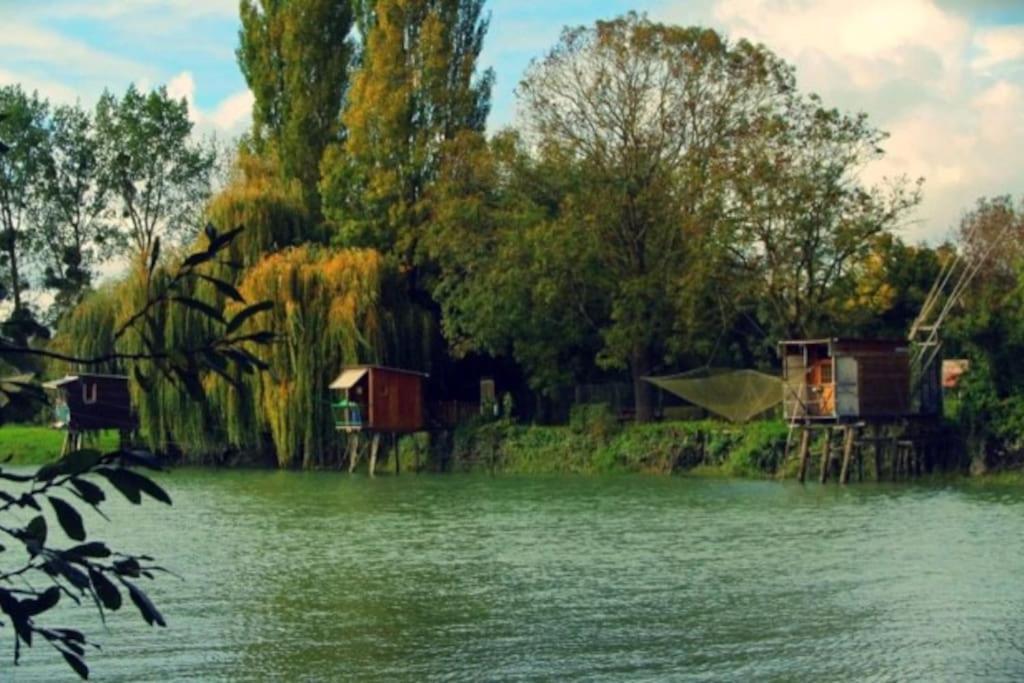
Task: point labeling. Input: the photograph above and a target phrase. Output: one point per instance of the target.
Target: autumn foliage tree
(295, 57)
(417, 86)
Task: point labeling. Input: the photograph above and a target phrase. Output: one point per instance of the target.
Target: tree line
(668, 198)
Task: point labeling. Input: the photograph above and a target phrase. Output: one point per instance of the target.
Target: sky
(945, 78)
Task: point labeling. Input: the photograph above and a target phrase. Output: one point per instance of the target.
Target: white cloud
(998, 46)
(231, 116)
(920, 72)
(60, 56)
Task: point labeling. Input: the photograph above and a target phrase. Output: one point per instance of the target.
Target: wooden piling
(353, 451)
(805, 452)
(374, 447)
(826, 456)
(394, 452)
(844, 473)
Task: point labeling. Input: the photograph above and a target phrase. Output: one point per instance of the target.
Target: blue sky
(944, 77)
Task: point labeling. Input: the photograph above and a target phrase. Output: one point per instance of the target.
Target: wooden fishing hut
(846, 385)
(92, 402)
(377, 400)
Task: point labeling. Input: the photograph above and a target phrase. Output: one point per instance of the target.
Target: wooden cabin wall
(883, 383)
(397, 401)
(112, 409)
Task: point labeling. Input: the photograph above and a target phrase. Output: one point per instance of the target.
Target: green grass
(36, 445)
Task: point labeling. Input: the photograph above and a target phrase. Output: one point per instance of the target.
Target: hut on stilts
(89, 403)
(375, 401)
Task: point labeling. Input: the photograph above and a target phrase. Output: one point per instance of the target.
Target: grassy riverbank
(36, 445)
(595, 444)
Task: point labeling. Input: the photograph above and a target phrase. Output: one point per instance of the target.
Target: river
(302, 577)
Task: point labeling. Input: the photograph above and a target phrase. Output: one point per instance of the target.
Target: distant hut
(89, 403)
(377, 400)
(837, 379)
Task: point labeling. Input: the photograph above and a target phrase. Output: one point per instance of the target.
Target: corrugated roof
(348, 378)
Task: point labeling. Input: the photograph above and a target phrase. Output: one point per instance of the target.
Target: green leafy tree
(295, 56)
(417, 87)
(158, 176)
(23, 164)
(74, 222)
(803, 219)
(650, 115)
(507, 281)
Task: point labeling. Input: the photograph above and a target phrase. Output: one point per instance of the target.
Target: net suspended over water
(736, 395)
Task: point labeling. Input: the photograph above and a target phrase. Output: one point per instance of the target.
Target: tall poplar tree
(416, 89)
(295, 57)
(23, 165)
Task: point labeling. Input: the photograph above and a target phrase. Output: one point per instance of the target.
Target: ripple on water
(326, 577)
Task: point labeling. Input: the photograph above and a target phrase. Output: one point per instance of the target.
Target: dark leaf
(223, 240)
(131, 483)
(36, 529)
(128, 487)
(191, 382)
(106, 590)
(90, 492)
(91, 549)
(46, 600)
(146, 608)
(127, 567)
(262, 337)
(155, 254)
(141, 458)
(248, 312)
(69, 518)
(197, 258)
(76, 662)
(48, 472)
(76, 577)
(144, 382)
(78, 462)
(204, 308)
(224, 288)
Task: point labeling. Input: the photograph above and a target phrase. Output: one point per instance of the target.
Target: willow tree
(649, 115)
(416, 88)
(326, 313)
(294, 55)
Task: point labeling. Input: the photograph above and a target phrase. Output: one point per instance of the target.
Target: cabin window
(89, 398)
(826, 372)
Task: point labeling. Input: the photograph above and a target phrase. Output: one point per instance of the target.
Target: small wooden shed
(94, 402)
(834, 379)
(379, 399)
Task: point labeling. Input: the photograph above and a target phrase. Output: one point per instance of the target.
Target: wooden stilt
(844, 473)
(826, 456)
(805, 451)
(353, 451)
(859, 455)
(374, 447)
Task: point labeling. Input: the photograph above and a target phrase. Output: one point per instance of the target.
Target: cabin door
(847, 398)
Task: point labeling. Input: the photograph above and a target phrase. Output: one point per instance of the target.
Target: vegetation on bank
(36, 445)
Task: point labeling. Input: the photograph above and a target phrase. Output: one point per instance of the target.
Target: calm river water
(324, 577)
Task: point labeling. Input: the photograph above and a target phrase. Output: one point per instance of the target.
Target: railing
(810, 401)
(348, 415)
